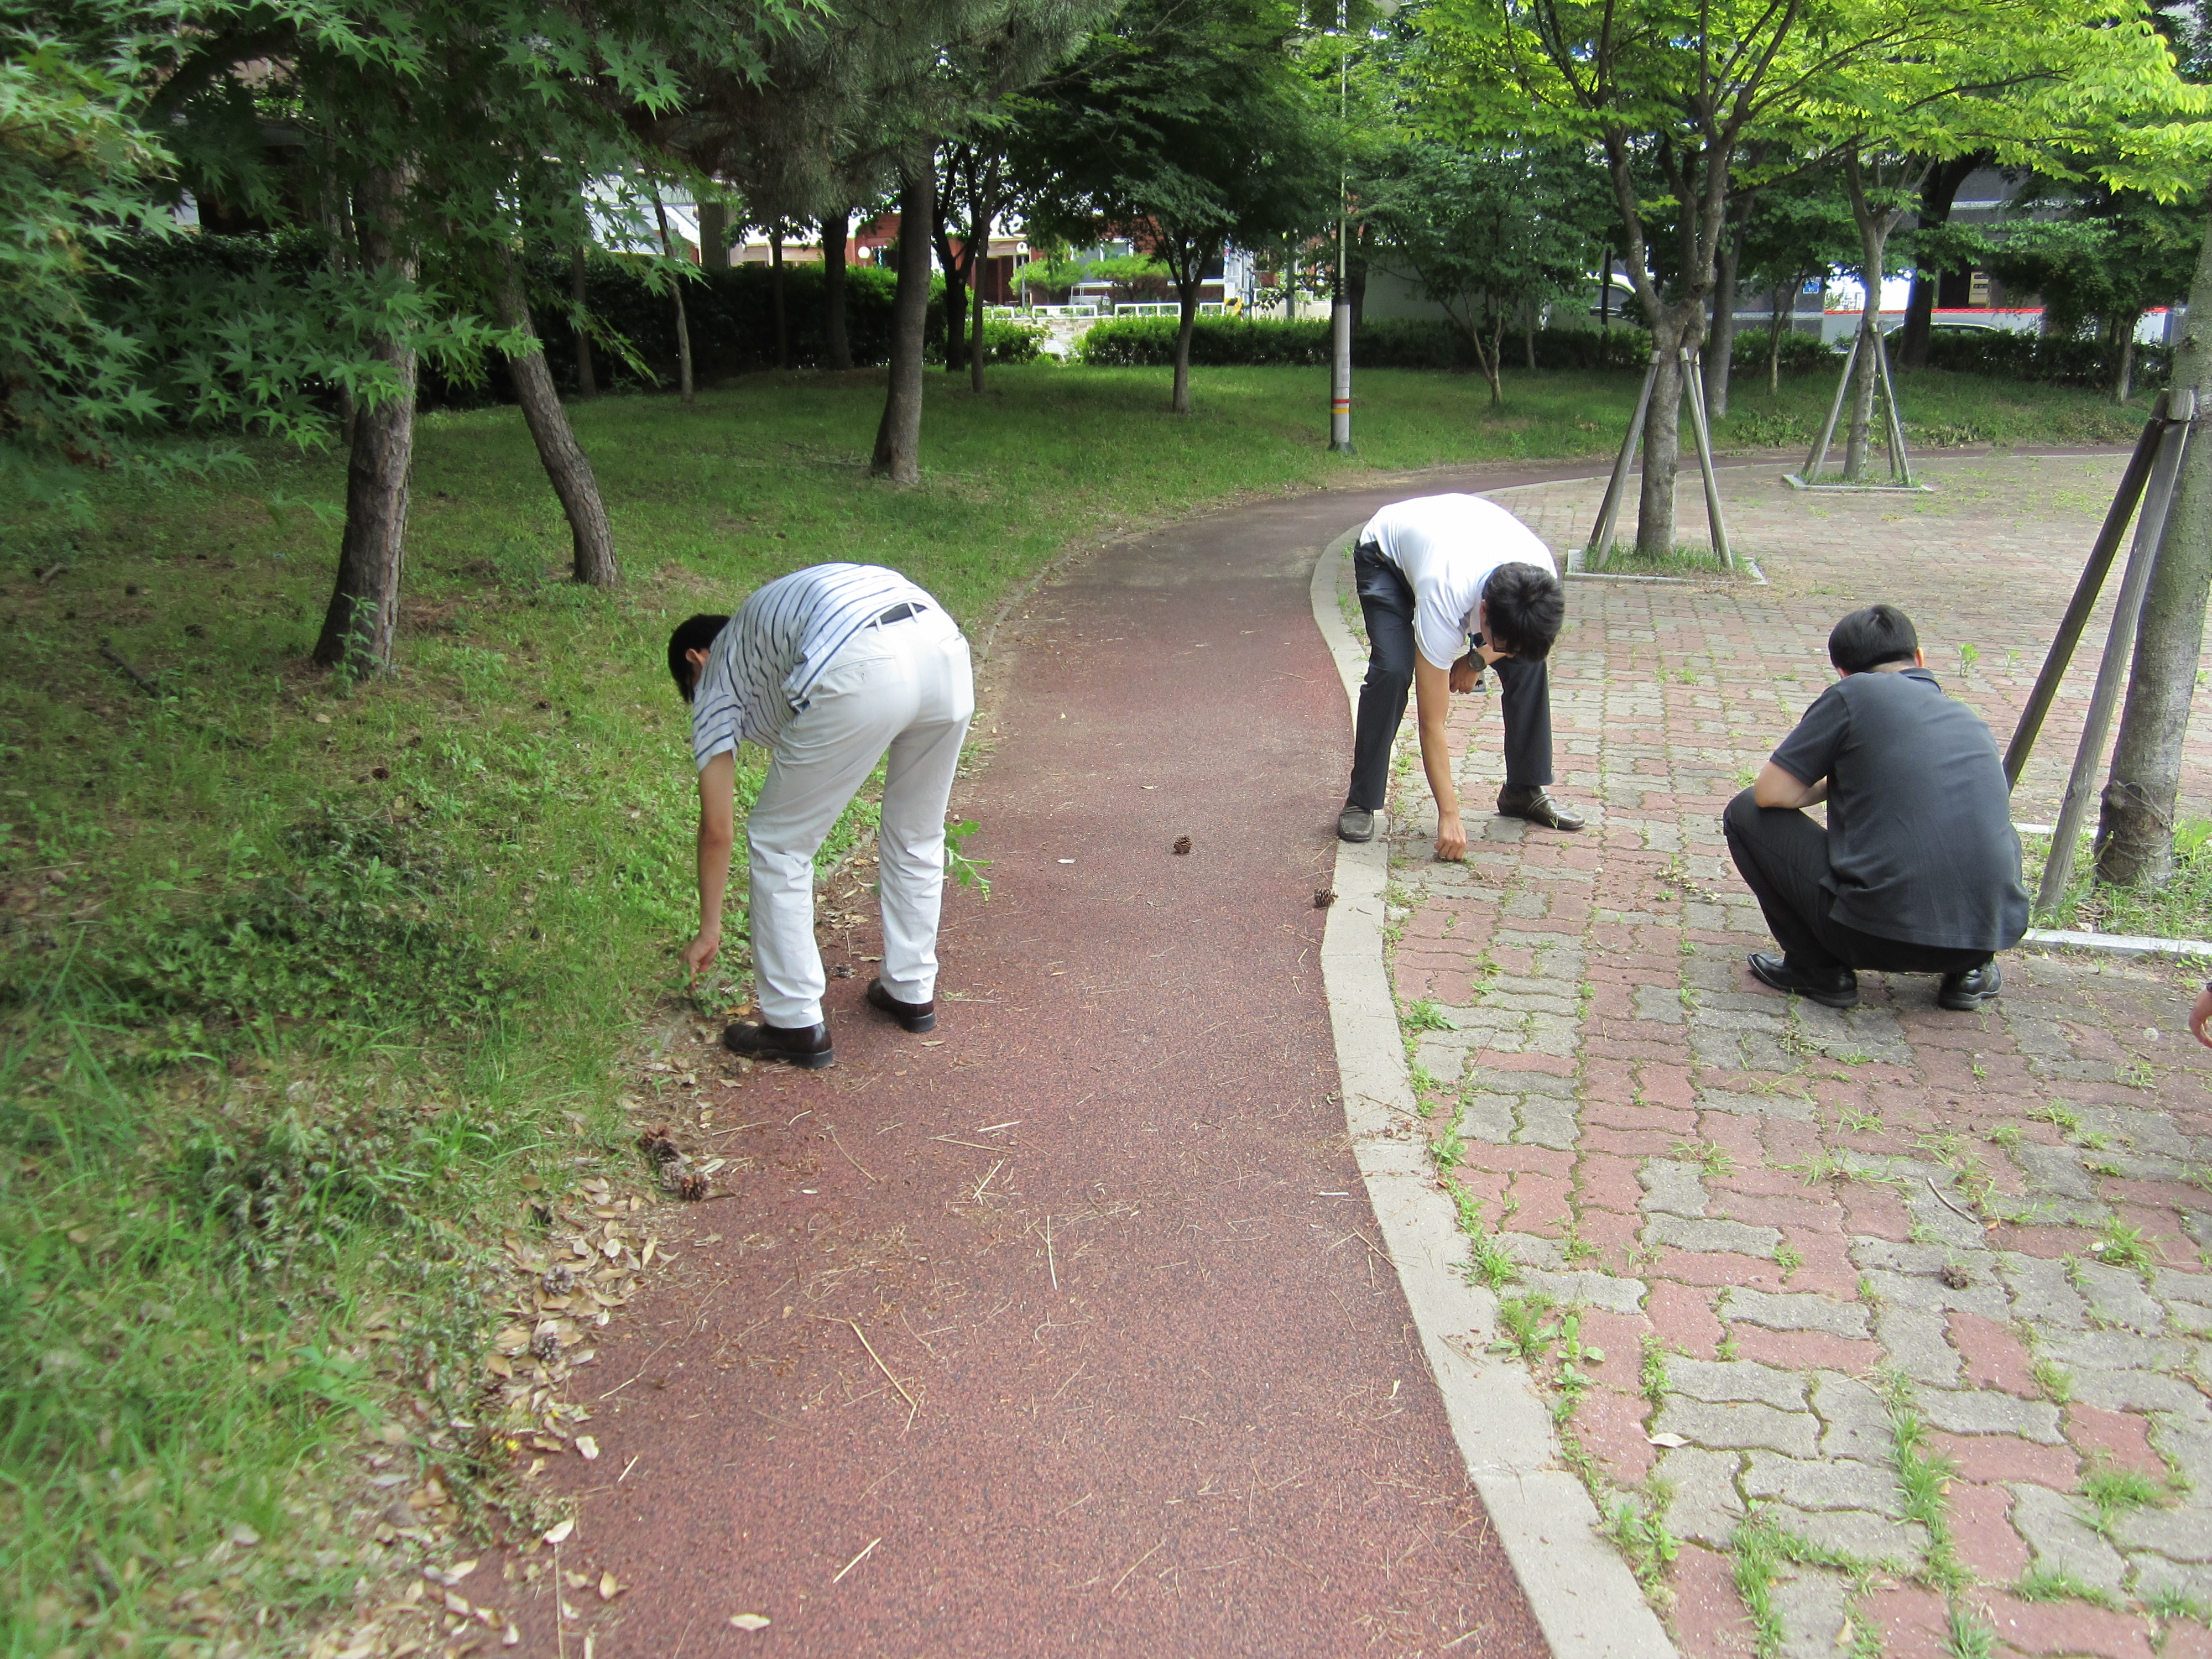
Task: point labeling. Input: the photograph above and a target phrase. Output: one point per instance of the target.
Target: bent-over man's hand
(2200, 1014)
(699, 954)
(1465, 674)
(1451, 839)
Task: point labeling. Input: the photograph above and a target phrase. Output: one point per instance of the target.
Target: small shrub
(348, 936)
(2045, 357)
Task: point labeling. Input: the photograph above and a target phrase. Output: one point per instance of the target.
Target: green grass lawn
(2181, 909)
(311, 990)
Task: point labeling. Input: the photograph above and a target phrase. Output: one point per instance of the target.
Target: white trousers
(905, 687)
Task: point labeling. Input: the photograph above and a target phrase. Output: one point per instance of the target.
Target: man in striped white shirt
(827, 669)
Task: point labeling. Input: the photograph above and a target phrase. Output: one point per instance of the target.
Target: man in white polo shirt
(827, 669)
(1447, 583)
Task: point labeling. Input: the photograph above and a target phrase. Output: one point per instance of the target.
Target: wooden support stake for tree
(1820, 450)
(1900, 463)
(2077, 619)
(1608, 513)
(1693, 381)
(2119, 649)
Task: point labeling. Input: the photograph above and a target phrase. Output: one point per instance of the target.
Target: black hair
(1867, 639)
(692, 633)
(1523, 606)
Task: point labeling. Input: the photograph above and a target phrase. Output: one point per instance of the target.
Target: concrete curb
(1584, 1597)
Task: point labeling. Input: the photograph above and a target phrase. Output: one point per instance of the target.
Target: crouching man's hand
(2200, 1015)
(1466, 673)
(1451, 839)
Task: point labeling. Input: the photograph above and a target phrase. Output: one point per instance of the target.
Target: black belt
(899, 613)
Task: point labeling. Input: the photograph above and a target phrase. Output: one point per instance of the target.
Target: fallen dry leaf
(610, 1586)
(559, 1534)
(588, 1447)
(1669, 1441)
(749, 1620)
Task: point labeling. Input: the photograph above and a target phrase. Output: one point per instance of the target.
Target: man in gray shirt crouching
(1918, 870)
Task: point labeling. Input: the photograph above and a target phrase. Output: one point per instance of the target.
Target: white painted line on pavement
(1585, 1599)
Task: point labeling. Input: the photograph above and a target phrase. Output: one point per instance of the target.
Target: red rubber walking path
(1065, 1330)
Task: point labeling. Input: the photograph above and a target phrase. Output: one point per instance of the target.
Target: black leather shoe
(806, 1046)
(1355, 824)
(1533, 803)
(916, 1016)
(1831, 987)
(1965, 992)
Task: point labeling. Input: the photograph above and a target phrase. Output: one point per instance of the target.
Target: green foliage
(1642, 1536)
(1491, 232)
(2052, 358)
(960, 864)
(351, 935)
(74, 172)
(1392, 343)
(1191, 121)
(2180, 909)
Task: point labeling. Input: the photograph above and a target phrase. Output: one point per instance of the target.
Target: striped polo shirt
(764, 666)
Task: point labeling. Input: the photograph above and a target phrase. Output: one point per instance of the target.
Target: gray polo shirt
(1921, 846)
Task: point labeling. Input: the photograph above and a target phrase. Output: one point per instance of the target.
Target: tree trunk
(1874, 227)
(1939, 192)
(1859, 443)
(975, 352)
(1785, 302)
(956, 286)
(983, 211)
(1187, 297)
(714, 236)
(1605, 289)
(565, 462)
(2135, 832)
(588, 383)
(2123, 385)
(775, 292)
(361, 626)
(683, 324)
(837, 343)
(1355, 283)
(1719, 360)
(898, 438)
(1528, 334)
(1484, 359)
(1663, 442)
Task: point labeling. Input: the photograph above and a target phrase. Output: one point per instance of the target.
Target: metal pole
(1339, 319)
(1811, 474)
(1608, 511)
(2085, 595)
(1715, 524)
(1900, 463)
(2119, 649)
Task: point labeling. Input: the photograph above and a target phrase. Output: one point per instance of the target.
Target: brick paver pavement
(1897, 1323)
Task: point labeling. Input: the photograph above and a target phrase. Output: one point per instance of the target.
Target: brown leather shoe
(806, 1046)
(1533, 803)
(916, 1016)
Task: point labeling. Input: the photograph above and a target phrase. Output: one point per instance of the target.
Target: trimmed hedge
(1391, 342)
(2045, 357)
